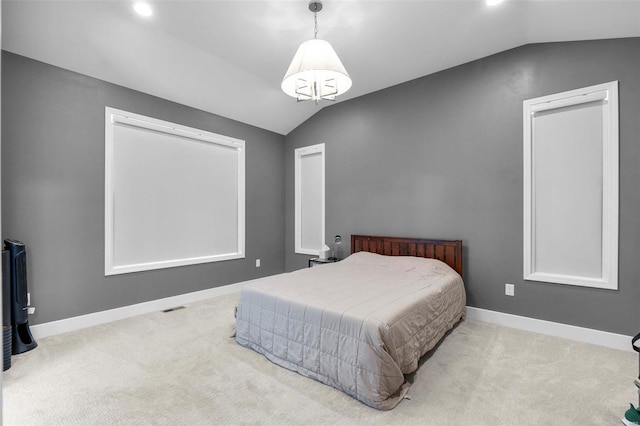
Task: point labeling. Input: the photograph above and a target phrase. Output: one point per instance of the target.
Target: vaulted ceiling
(229, 57)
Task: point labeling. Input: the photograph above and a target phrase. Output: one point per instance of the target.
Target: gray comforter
(358, 325)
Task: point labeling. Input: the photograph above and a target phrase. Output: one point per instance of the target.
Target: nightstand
(316, 261)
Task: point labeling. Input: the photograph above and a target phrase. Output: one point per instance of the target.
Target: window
(174, 195)
(309, 199)
(571, 187)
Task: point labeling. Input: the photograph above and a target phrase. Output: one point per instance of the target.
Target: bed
(361, 324)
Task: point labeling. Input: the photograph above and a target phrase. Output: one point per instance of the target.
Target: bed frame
(447, 251)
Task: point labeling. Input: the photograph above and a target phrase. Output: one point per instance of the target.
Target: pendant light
(316, 73)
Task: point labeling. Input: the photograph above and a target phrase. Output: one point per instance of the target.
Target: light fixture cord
(315, 21)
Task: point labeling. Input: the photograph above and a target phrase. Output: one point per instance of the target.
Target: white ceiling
(229, 57)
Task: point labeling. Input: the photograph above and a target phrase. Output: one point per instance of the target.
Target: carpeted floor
(182, 368)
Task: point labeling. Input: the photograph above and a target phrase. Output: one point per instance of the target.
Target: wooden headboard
(447, 251)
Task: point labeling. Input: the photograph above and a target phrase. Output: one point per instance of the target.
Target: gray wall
(441, 156)
(53, 191)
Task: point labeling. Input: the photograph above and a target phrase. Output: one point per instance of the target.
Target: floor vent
(173, 309)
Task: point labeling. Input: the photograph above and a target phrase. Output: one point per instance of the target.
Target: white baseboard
(580, 334)
(83, 321)
(571, 332)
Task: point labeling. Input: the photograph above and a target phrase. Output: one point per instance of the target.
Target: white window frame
(607, 94)
(187, 135)
(299, 154)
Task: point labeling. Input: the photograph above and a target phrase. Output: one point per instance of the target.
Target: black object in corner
(22, 340)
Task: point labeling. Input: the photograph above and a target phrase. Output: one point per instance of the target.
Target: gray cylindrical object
(7, 331)
(6, 347)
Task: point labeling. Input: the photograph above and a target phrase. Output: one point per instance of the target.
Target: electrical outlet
(509, 290)
(257, 263)
(31, 310)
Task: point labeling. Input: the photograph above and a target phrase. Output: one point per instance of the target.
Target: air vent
(173, 309)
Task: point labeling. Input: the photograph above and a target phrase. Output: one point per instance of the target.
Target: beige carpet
(182, 368)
